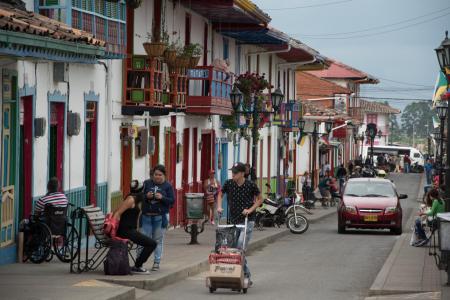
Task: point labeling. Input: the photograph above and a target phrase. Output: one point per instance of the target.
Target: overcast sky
(389, 39)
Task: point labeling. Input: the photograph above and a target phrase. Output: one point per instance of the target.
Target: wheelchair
(52, 230)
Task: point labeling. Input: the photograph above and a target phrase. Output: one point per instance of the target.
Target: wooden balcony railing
(209, 91)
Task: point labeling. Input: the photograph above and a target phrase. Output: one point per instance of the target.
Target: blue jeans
(151, 226)
(406, 168)
(428, 173)
(419, 230)
(240, 245)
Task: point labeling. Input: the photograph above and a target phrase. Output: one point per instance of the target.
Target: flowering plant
(251, 84)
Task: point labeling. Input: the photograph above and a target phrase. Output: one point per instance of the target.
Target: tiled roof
(312, 109)
(310, 86)
(343, 71)
(17, 20)
(377, 107)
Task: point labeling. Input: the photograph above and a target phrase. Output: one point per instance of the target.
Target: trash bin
(194, 205)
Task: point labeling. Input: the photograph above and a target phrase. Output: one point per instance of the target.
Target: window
(226, 48)
(416, 155)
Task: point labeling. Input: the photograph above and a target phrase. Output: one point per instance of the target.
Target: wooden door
(126, 161)
(207, 154)
(90, 169)
(26, 143)
(57, 141)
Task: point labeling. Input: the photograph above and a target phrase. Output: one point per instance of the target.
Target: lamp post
(442, 110)
(371, 132)
(236, 100)
(443, 56)
(315, 136)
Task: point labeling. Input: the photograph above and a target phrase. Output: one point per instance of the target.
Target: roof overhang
(253, 34)
(34, 46)
(234, 11)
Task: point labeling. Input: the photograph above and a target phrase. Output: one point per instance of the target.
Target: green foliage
(192, 50)
(417, 115)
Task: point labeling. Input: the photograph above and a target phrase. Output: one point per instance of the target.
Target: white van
(401, 151)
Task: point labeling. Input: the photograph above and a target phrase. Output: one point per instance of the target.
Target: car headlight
(391, 210)
(350, 209)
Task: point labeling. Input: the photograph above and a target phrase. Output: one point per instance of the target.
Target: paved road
(319, 264)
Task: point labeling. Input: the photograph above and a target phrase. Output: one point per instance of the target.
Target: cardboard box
(226, 271)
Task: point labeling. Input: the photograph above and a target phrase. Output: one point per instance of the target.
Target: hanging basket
(155, 49)
(193, 61)
(131, 3)
(182, 62)
(170, 57)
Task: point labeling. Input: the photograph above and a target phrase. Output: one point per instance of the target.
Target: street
(320, 264)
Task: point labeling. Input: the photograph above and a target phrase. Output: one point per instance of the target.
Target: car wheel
(397, 231)
(341, 229)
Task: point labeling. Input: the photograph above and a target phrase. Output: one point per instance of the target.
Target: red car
(371, 203)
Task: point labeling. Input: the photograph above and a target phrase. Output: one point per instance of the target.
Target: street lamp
(315, 135)
(443, 53)
(236, 98)
(371, 132)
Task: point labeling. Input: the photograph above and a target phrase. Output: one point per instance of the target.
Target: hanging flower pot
(182, 61)
(170, 56)
(155, 49)
(193, 61)
(132, 3)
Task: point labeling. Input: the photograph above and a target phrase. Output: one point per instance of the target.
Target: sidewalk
(409, 272)
(53, 281)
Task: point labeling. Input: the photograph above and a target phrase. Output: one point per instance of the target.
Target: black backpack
(116, 261)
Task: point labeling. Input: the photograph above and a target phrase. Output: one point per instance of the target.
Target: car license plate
(371, 218)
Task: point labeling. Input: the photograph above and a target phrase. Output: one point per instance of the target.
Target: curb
(376, 289)
(203, 265)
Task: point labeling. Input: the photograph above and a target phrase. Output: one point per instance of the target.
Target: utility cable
(308, 6)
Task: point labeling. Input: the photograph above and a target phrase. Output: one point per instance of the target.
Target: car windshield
(369, 189)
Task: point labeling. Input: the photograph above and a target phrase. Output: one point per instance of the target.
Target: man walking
(341, 174)
(241, 194)
(428, 169)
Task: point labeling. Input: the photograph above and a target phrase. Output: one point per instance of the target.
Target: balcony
(209, 92)
(151, 87)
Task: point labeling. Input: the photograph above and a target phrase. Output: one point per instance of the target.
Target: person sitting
(52, 198)
(324, 188)
(128, 214)
(437, 206)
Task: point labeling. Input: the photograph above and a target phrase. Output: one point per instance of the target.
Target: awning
(253, 34)
(229, 11)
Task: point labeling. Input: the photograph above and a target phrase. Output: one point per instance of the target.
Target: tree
(394, 127)
(417, 116)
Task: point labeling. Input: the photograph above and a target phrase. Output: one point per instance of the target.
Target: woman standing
(306, 185)
(128, 214)
(211, 188)
(159, 199)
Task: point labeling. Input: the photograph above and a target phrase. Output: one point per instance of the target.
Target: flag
(436, 121)
(440, 88)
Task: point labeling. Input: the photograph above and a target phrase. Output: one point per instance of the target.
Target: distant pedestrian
(306, 185)
(52, 198)
(160, 197)
(211, 188)
(407, 163)
(428, 170)
(350, 167)
(341, 174)
(397, 163)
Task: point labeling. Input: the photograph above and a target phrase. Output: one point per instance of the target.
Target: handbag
(110, 226)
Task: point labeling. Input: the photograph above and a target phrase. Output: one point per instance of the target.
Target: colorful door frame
(90, 139)
(26, 157)
(126, 160)
(224, 176)
(57, 115)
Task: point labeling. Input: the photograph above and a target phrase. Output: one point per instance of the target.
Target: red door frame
(154, 159)
(185, 171)
(59, 122)
(208, 153)
(93, 156)
(27, 154)
(126, 150)
(194, 159)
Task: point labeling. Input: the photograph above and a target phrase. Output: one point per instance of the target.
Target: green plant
(193, 50)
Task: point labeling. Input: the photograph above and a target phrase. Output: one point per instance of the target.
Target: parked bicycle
(52, 230)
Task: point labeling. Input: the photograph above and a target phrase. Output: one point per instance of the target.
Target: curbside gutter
(203, 265)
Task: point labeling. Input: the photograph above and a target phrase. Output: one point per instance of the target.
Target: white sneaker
(139, 271)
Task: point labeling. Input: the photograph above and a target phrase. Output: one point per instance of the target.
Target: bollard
(194, 230)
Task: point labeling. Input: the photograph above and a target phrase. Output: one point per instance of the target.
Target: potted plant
(132, 3)
(182, 60)
(194, 52)
(170, 54)
(158, 43)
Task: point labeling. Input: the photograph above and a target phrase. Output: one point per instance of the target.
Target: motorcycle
(416, 168)
(279, 211)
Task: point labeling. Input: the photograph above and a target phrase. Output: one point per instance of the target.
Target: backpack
(116, 262)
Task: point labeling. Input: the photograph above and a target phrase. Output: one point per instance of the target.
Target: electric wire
(377, 27)
(308, 6)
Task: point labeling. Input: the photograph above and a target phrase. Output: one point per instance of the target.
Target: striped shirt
(54, 199)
